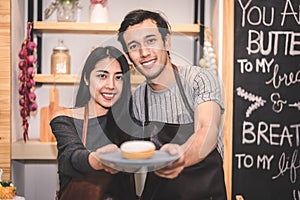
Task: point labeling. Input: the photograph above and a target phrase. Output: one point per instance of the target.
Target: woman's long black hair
(121, 107)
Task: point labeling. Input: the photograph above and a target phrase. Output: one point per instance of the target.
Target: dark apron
(204, 180)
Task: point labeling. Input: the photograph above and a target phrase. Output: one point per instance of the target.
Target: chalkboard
(266, 115)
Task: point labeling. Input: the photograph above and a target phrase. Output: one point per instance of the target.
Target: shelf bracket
(39, 36)
(30, 18)
(201, 32)
(199, 12)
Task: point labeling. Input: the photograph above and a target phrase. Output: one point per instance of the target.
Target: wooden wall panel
(5, 88)
(227, 76)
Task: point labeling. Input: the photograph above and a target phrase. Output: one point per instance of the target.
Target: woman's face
(106, 83)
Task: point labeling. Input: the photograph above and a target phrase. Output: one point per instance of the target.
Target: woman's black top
(73, 155)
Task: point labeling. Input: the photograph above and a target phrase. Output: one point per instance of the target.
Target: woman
(104, 84)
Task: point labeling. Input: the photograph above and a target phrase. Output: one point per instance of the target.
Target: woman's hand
(173, 169)
(94, 158)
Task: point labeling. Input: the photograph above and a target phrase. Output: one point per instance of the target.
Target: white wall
(177, 11)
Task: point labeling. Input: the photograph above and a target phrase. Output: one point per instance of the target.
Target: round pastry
(7, 190)
(137, 149)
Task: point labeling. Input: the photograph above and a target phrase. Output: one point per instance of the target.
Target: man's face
(146, 49)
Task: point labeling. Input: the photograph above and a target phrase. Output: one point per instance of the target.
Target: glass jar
(60, 59)
(98, 11)
(67, 11)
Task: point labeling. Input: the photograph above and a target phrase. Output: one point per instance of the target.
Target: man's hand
(173, 169)
(95, 161)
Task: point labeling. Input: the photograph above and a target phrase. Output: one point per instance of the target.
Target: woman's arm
(73, 158)
(72, 154)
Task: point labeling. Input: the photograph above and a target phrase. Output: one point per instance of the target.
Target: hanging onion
(27, 64)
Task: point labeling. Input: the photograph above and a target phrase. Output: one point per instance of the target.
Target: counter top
(34, 150)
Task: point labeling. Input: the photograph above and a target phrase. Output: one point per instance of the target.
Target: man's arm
(207, 118)
(207, 121)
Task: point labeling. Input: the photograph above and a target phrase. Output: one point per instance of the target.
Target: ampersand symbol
(277, 102)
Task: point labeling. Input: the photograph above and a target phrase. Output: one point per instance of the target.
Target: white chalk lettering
(244, 11)
(264, 64)
(286, 79)
(288, 5)
(257, 101)
(295, 43)
(296, 194)
(249, 136)
(286, 135)
(239, 158)
(245, 65)
(265, 160)
(245, 160)
(272, 134)
(277, 102)
(257, 39)
(248, 161)
(295, 105)
(261, 15)
(297, 128)
(261, 131)
(288, 163)
(261, 65)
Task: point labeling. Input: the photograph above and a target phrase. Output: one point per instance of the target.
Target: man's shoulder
(194, 72)
(194, 69)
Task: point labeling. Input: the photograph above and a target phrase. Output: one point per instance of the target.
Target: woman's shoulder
(68, 112)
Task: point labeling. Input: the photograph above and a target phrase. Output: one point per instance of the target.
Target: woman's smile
(108, 96)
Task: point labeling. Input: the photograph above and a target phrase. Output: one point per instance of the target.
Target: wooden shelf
(71, 79)
(34, 150)
(102, 28)
(58, 78)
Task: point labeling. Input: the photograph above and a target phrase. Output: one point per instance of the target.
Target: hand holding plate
(173, 169)
(97, 164)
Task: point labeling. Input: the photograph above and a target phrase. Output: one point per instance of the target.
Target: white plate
(117, 161)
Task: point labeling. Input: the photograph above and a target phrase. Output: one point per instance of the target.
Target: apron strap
(179, 84)
(85, 124)
(146, 104)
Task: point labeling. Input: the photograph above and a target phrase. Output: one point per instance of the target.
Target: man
(180, 97)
